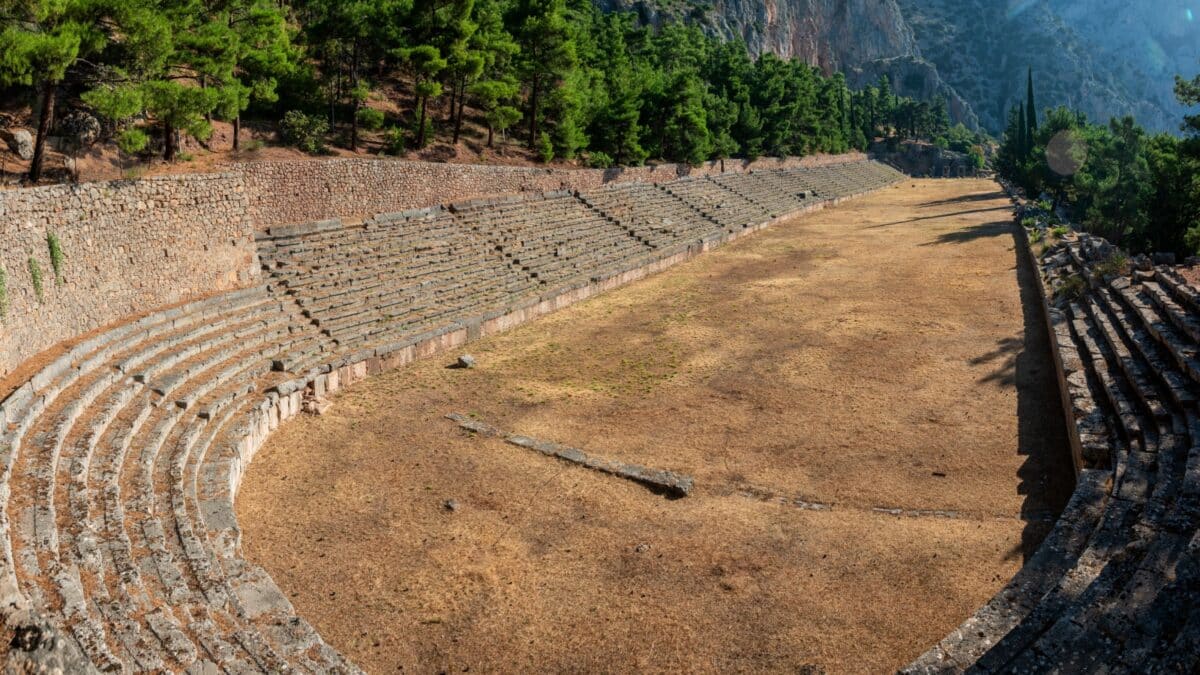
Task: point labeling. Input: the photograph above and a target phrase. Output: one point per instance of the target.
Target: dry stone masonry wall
(282, 193)
(1115, 587)
(120, 458)
(133, 245)
(127, 246)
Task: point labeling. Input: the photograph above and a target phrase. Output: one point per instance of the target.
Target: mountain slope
(1105, 57)
(862, 38)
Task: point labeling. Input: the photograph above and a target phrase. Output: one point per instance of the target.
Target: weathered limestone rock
(670, 482)
(19, 141)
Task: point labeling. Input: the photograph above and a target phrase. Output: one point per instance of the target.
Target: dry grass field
(884, 354)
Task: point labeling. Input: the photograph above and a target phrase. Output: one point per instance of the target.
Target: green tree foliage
(1138, 190)
(604, 87)
(1031, 121)
(40, 43)
(547, 52)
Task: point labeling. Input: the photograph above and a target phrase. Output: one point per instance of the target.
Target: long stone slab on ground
(672, 483)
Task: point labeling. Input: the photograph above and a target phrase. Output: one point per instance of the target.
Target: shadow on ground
(939, 216)
(980, 197)
(1047, 476)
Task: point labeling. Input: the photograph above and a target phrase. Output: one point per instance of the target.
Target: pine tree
(262, 52)
(547, 51)
(496, 87)
(426, 63)
(886, 104)
(40, 42)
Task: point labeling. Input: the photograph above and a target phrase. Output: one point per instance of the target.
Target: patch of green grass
(57, 258)
(35, 273)
(1073, 288)
(1060, 231)
(1116, 264)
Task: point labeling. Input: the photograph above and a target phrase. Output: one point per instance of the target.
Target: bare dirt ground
(886, 353)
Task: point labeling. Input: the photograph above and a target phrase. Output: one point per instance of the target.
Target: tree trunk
(491, 135)
(169, 147)
(533, 117)
(354, 93)
(453, 105)
(458, 117)
(49, 94)
(422, 103)
(237, 131)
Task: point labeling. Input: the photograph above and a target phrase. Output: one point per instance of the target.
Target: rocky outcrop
(1104, 57)
(915, 77)
(862, 38)
(19, 141)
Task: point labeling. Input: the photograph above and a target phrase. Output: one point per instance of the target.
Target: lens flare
(1190, 15)
(1066, 153)
(1018, 7)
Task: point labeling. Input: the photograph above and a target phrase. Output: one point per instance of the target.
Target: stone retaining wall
(128, 246)
(281, 193)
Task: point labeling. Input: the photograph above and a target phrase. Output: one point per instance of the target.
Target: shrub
(427, 136)
(57, 258)
(599, 160)
(1045, 205)
(185, 157)
(546, 148)
(1072, 288)
(370, 119)
(132, 141)
(305, 132)
(975, 155)
(1116, 264)
(1029, 222)
(35, 273)
(1035, 235)
(395, 141)
(1060, 231)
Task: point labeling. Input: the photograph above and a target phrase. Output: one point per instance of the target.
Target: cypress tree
(1030, 112)
(1022, 134)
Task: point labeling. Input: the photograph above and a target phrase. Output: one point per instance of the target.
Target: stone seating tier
(1116, 586)
(120, 459)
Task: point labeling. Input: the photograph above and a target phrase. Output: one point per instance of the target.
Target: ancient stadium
(789, 415)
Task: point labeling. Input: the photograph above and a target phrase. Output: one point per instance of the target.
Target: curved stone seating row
(395, 275)
(120, 459)
(1116, 586)
(110, 453)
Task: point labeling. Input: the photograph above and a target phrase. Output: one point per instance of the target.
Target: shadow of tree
(937, 217)
(969, 234)
(1047, 475)
(981, 197)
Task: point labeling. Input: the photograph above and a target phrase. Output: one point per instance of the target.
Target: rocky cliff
(862, 38)
(1105, 57)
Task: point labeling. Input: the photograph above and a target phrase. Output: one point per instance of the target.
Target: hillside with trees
(1139, 190)
(537, 80)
